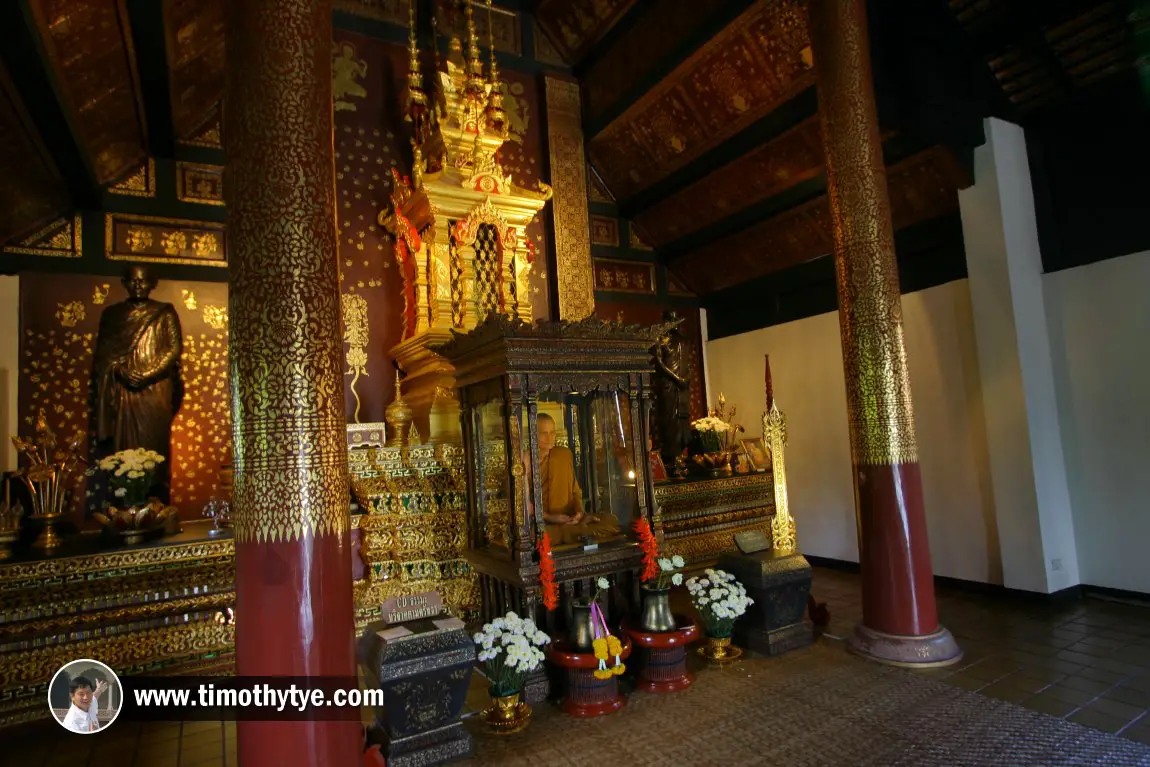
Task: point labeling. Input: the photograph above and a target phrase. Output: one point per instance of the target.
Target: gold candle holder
(52, 469)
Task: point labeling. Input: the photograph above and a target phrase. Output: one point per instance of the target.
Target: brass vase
(507, 714)
(655, 610)
(719, 650)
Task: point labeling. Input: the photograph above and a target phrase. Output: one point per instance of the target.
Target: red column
(294, 612)
(900, 621)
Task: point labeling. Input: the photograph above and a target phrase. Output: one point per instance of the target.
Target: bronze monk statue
(137, 370)
(672, 393)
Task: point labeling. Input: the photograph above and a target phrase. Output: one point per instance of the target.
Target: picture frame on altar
(756, 453)
(658, 469)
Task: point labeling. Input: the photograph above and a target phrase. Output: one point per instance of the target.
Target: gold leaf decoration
(139, 239)
(174, 243)
(70, 314)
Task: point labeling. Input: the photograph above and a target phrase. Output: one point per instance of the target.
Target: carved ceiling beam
(31, 190)
(726, 157)
(777, 177)
(34, 84)
(89, 51)
(750, 68)
(922, 187)
(193, 35)
(574, 26)
(147, 23)
(660, 36)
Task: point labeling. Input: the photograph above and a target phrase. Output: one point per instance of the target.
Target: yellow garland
(602, 673)
(614, 646)
(600, 646)
(619, 669)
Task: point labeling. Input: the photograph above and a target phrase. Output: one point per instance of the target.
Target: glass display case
(555, 422)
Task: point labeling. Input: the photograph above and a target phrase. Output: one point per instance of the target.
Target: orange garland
(650, 548)
(547, 573)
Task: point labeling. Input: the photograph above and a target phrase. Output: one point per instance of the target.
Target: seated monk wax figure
(563, 512)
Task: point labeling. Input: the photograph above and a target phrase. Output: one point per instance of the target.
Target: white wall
(9, 366)
(1099, 326)
(806, 363)
(1099, 318)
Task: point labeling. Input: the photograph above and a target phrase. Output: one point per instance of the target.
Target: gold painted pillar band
(870, 309)
(286, 347)
(573, 271)
(294, 613)
(900, 616)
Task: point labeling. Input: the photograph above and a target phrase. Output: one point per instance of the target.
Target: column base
(926, 651)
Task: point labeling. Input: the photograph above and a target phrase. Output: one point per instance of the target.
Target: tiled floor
(1088, 662)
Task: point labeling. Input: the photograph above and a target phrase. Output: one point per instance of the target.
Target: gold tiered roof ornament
(459, 220)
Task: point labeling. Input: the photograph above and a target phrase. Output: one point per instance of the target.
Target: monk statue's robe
(137, 375)
(562, 495)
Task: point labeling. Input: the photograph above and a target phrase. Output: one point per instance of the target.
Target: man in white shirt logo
(84, 714)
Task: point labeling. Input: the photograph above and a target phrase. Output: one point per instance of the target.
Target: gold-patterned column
(900, 619)
(569, 204)
(294, 614)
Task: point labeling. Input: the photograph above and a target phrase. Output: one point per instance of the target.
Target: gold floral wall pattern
(60, 317)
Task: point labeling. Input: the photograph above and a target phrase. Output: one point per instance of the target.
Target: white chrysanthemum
(603, 583)
(678, 561)
(676, 579)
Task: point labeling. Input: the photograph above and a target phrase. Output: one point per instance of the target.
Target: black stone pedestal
(424, 676)
(780, 586)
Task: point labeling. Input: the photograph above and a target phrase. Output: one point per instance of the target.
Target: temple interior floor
(1086, 662)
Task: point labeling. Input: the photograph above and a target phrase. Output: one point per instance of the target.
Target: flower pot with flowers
(658, 576)
(510, 649)
(720, 600)
(132, 513)
(713, 446)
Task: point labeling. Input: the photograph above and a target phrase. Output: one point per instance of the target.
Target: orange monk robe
(562, 495)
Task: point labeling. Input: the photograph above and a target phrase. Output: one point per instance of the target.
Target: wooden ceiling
(701, 117)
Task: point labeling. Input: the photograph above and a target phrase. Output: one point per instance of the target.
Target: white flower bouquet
(670, 572)
(510, 648)
(720, 600)
(131, 474)
(716, 432)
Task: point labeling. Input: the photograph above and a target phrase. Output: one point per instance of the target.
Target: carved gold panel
(140, 182)
(164, 240)
(618, 276)
(60, 239)
(200, 183)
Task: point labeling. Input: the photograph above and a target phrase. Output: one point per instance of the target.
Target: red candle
(770, 387)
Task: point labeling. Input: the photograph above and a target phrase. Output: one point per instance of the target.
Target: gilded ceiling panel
(737, 78)
(655, 35)
(194, 31)
(921, 188)
(90, 53)
(30, 190)
(576, 25)
(774, 167)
